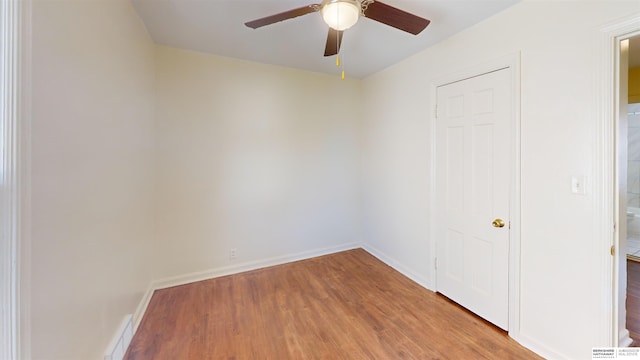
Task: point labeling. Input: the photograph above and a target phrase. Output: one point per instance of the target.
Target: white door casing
(612, 331)
(473, 188)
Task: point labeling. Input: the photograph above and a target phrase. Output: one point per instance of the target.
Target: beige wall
(254, 157)
(92, 174)
(227, 154)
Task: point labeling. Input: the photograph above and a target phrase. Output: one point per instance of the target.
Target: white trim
(604, 184)
(512, 62)
(539, 348)
(396, 265)
(118, 346)
(24, 172)
(625, 340)
(433, 248)
(11, 121)
(515, 205)
(142, 307)
(248, 266)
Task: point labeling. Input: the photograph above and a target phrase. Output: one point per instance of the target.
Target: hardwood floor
(341, 306)
(633, 301)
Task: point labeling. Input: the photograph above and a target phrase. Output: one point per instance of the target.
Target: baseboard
(121, 339)
(142, 307)
(625, 340)
(248, 266)
(413, 275)
(537, 347)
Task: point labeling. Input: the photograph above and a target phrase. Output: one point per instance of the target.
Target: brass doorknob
(498, 223)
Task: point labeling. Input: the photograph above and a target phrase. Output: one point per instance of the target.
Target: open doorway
(633, 187)
(633, 150)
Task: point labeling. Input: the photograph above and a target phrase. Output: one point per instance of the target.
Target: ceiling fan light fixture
(341, 14)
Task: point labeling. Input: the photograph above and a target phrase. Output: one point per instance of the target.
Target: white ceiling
(217, 27)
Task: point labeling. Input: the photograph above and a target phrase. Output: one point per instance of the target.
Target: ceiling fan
(343, 14)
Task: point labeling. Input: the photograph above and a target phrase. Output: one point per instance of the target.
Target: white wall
(254, 157)
(559, 300)
(92, 173)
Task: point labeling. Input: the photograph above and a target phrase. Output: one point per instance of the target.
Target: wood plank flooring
(347, 305)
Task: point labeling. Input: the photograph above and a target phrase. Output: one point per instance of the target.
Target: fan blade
(334, 40)
(283, 16)
(396, 18)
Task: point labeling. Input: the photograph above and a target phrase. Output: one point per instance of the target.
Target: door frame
(613, 331)
(15, 240)
(511, 62)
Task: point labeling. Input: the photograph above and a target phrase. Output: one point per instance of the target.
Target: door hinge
(612, 250)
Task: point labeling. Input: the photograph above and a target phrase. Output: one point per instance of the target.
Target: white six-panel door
(473, 177)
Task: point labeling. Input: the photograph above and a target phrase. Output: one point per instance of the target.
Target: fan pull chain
(338, 65)
(342, 67)
(339, 46)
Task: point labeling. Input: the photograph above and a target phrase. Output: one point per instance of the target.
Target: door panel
(473, 174)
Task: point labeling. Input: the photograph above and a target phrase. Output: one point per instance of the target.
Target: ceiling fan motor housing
(341, 14)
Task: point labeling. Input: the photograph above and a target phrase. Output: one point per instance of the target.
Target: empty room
(218, 179)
